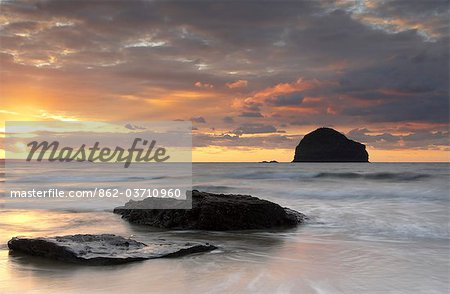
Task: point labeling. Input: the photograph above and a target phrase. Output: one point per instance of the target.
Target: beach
(378, 227)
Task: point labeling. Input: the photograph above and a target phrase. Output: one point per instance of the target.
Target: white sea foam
(373, 228)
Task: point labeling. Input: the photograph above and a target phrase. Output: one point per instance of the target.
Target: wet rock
(216, 212)
(102, 249)
(328, 145)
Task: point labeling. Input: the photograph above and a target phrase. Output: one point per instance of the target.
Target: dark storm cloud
(428, 17)
(293, 99)
(225, 140)
(364, 135)
(228, 120)
(251, 114)
(252, 106)
(254, 129)
(423, 139)
(425, 108)
(372, 62)
(198, 119)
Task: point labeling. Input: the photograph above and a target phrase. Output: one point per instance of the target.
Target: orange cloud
(286, 88)
(203, 85)
(259, 97)
(237, 84)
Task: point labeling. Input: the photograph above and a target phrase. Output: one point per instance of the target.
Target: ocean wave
(374, 176)
(377, 176)
(83, 179)
(211, 188)
(270, 175)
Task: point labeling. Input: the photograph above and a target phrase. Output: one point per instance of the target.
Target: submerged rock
(101, 249)
(216, 212)
(328, 145)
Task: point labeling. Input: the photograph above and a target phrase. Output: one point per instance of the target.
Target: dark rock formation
(102, 249)
(328, 145)
(272, 161)
(216, 212)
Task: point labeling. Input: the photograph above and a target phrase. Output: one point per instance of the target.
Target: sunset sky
(253, 77)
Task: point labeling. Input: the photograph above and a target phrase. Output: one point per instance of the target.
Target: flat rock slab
(102, 249)
(216, 212)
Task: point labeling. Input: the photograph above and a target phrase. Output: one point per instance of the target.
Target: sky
(252, 76)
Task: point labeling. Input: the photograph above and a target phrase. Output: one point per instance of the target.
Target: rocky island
(329, 145)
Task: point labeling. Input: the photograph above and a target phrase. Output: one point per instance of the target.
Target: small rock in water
(102, 249)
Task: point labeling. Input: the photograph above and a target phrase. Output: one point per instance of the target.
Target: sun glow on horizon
(248, 98)
(215, 153)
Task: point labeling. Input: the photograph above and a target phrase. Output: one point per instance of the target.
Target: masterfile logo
(105, 154)
(99, 165)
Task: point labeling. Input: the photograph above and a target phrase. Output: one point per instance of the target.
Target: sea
(371, 228)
